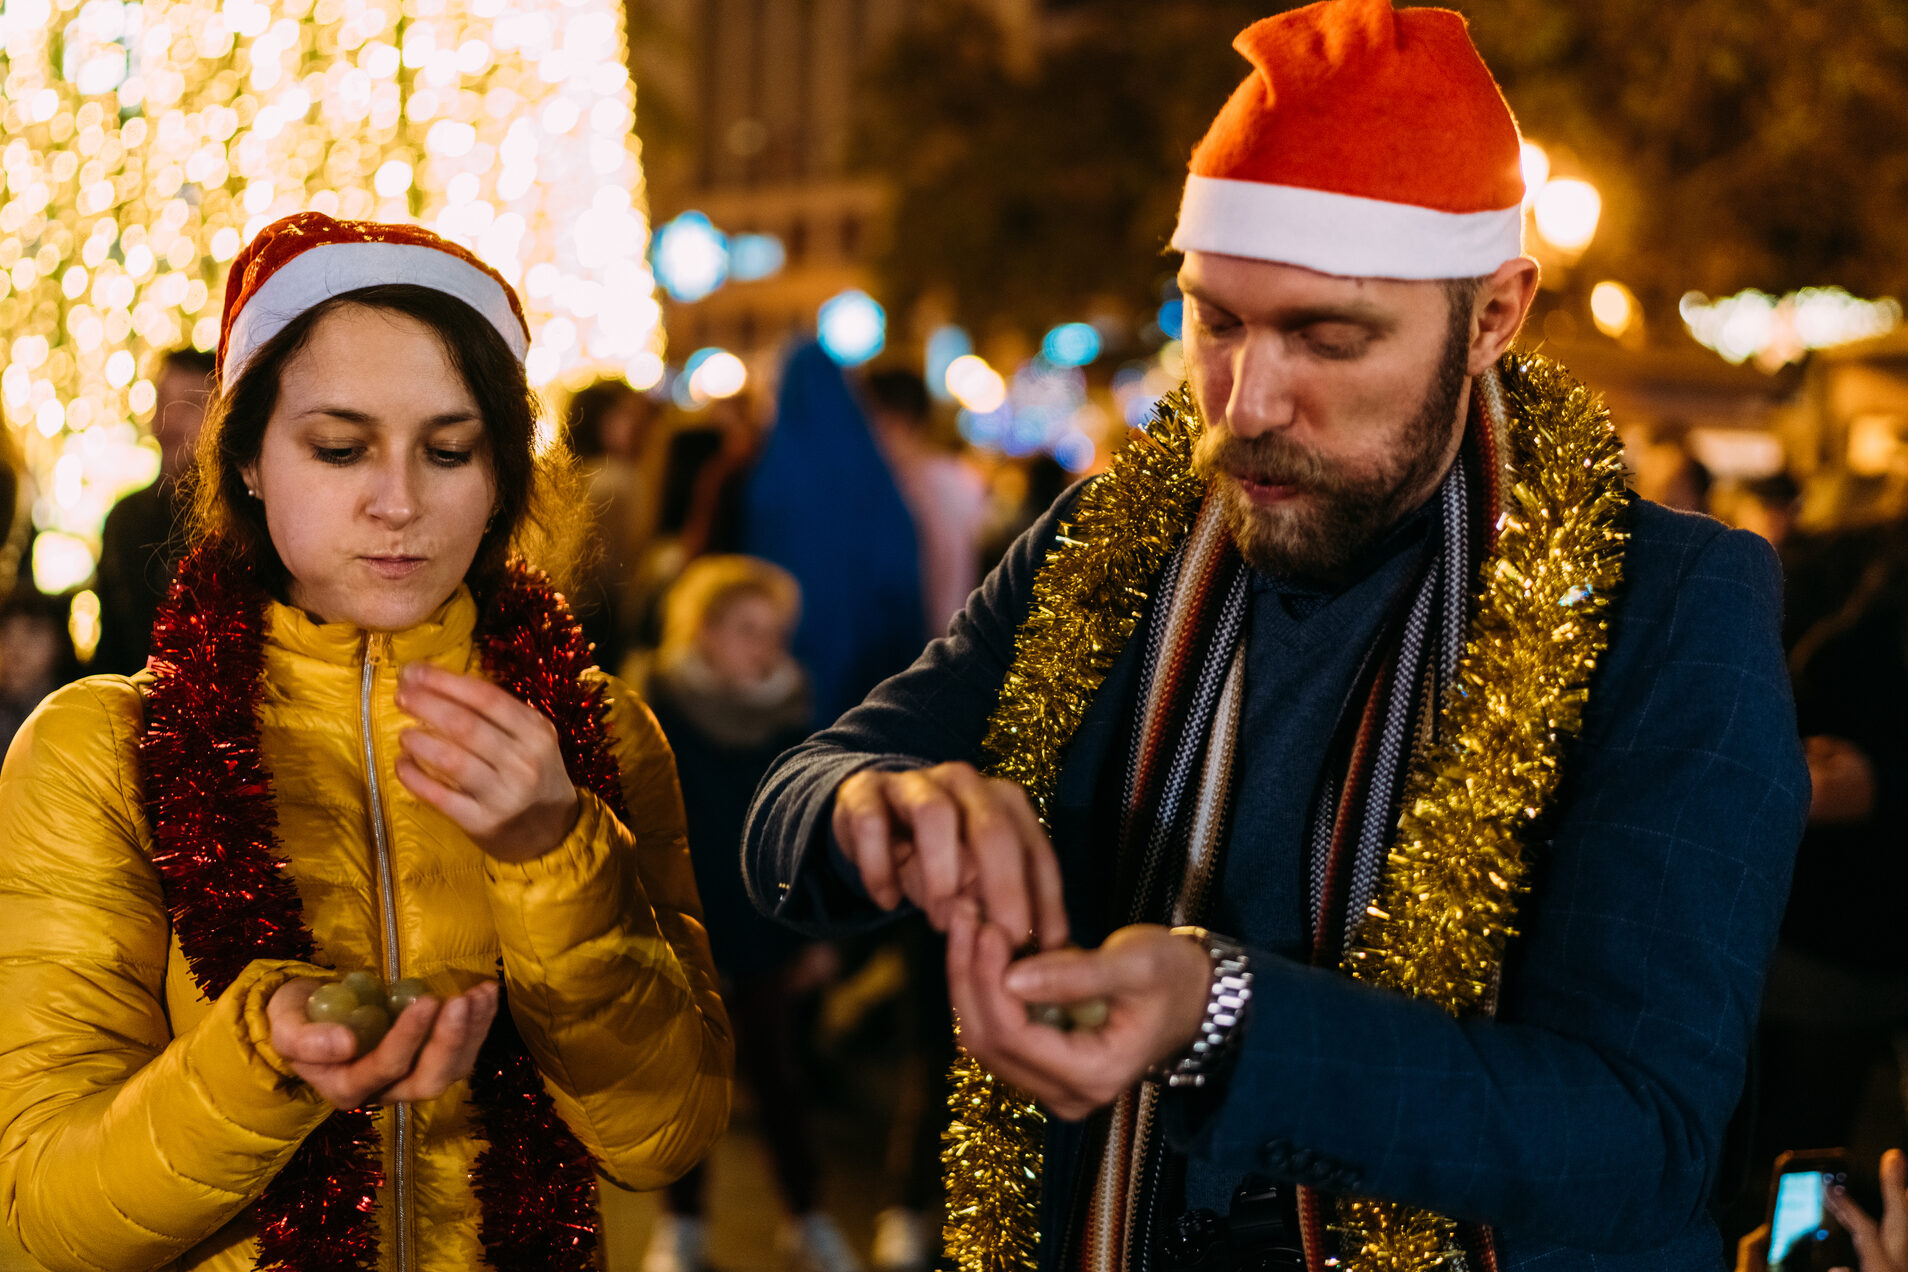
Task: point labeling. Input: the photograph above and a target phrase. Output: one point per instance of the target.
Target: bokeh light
(851, 327)
(691, 257)
(1614, 309)
(715, 374)
(1071, 344)
(145, 143)
(975, 385)
(1567, 212)
(756, 256)
(1776, 330)
(944, 344)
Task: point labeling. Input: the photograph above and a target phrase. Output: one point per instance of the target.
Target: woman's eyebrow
(352, 415)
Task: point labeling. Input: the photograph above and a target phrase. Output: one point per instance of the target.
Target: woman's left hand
(486, 760)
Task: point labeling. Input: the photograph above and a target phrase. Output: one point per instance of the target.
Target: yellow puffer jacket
(139, 1121)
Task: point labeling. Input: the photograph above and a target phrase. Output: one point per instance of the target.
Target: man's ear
(1503, 299)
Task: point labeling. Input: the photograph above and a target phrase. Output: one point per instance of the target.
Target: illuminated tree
(144, 144)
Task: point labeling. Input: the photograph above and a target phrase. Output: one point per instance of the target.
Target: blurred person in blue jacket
(1357, 795)
(822, 503)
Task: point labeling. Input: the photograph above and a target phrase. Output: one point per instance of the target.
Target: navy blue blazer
(1585, 1121)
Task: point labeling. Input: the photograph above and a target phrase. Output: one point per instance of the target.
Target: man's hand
(429, 1047)
(486, 760)
(1879, 1247)
(1154, 983)
(1843, 779)
(932, 835)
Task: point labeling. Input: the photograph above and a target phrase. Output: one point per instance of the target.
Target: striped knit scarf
(1178, 789)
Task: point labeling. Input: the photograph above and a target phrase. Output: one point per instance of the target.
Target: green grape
(369, 1022)
(404, 993)
(330, 1004)
(1090, 1014)
(368, 988)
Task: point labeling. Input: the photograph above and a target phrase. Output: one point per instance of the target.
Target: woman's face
(375, 471)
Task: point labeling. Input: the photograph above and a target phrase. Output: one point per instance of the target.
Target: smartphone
(1803, 1234)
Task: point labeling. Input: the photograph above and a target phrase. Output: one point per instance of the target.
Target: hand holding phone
(1804, 1233)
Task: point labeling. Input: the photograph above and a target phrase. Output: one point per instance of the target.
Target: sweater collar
(445, 630)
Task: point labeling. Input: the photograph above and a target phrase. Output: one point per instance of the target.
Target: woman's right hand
(429, 1047)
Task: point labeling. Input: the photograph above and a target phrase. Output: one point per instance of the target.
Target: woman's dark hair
(535, 516)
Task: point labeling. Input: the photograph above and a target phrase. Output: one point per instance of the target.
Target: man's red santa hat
(308, 258)
(1368, 142)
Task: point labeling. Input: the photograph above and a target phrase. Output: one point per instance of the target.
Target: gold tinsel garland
(1439, 927)
(1086, 604)
(1454, 872)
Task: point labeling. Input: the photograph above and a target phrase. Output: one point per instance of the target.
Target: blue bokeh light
(690, 257)
(1172, 319)
(852, 327)
(753, 256)
(1071, 344)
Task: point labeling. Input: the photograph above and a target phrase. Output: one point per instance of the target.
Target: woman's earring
(251, 492)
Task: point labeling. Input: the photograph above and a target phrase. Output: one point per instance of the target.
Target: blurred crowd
(759, 567)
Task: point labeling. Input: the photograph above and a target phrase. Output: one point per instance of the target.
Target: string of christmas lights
(143, 144)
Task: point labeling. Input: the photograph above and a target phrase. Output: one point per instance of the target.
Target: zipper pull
(376, 646)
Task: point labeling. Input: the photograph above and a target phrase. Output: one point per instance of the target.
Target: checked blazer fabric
(1585, 1122)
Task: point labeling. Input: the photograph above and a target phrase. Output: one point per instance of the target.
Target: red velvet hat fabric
(1354, 97)
(1367, 140)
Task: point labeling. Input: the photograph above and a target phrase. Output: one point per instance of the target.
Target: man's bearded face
(1312, 473)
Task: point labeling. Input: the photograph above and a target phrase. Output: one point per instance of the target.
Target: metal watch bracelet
(1225, 1007)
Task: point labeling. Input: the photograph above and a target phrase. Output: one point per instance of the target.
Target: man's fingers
(861, 825)
(929, 811)
(963, 921)
(1043, 869)
(1000, 856)
(1061, 976)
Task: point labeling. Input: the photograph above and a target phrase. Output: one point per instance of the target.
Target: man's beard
(1337, 516)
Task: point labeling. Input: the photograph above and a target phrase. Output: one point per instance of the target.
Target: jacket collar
(445, 630)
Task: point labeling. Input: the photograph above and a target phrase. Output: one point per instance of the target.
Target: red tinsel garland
(210, 803)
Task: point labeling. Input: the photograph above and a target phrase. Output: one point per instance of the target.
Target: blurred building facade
(748, 115)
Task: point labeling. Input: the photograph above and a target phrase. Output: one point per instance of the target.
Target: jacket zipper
(374, 651)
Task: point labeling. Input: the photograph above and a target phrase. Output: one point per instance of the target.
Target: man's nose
(1262, 400)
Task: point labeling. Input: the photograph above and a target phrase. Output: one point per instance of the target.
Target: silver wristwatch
(1225, 1007)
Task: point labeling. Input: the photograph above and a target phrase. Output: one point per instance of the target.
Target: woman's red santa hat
(1368, 142)
(308, 258)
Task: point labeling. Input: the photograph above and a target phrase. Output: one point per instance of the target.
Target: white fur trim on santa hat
(1343, 233)
(317, 274)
